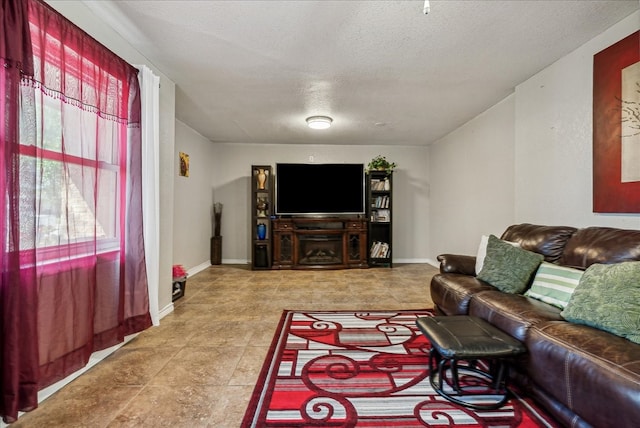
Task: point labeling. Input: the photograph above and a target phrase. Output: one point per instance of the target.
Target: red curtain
(18, 338)
(73, 269)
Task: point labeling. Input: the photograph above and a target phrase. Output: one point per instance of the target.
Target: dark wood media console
(319, 243)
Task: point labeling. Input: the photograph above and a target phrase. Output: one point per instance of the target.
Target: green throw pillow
(608, 298)
(554, 284)
(508, 268)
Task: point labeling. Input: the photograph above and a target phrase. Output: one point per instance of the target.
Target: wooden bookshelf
(261, 213)
(379, 210)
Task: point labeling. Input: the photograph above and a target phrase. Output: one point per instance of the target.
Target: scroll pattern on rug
(364, 369)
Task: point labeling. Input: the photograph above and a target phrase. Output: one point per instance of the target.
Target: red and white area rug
(362, 369)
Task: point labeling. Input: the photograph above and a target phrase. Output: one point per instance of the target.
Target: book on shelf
(377, 184)
(380, 250)
(381, 216)
(380, 202)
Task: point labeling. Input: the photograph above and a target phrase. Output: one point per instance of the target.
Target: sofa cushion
(512, 313)
(601, 245)
(554, 284)
(546, 240)
(508, 268)
(608, 298)
(592, 372)
(482, 251)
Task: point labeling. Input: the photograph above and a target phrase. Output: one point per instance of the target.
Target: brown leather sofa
(581, 375)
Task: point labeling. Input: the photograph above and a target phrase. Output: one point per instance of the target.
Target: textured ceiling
(252, 71)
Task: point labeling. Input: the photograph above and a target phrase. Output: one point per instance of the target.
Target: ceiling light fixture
(319, 122)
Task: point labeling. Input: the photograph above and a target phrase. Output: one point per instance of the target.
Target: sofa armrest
(456, 263)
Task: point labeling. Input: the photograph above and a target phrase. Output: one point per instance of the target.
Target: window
(76, 180)
(72, 160)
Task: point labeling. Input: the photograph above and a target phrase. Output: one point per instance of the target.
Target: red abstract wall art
(616, 127)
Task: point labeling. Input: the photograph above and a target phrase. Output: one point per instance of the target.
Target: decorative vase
(217, 216)
(262, 179)
(262, 231)
(387, 184)
(216, 250)
(262, 207)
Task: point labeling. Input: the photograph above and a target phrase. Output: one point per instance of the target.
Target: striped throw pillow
(554, 284)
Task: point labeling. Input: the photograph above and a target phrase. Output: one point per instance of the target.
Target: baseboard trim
(235, 262)
(417, 261)
(166, 310)
(202, 266)
(245, 262)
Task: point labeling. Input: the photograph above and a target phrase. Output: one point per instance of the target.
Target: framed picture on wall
(184, 164)
(616, 127)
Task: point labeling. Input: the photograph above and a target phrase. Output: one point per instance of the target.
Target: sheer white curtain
(150, 89)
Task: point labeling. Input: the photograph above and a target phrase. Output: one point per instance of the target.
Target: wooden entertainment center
(339, 241)
(320, 243)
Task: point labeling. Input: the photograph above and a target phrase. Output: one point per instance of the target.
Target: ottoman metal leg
(437, 379)
(466, 338)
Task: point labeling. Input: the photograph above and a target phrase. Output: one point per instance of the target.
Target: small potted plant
(380, 163)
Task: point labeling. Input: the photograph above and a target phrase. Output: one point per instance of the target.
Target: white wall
(232, 167)
(526, 159)
(553, 146)
(471, 181)
(85, 18)
(193, 198)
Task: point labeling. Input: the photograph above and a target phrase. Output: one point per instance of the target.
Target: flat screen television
(320, 189)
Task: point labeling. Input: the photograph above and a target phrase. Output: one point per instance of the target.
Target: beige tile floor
(199, 367)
